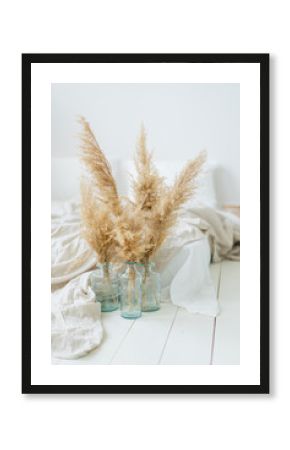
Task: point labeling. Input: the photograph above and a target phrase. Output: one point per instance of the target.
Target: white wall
(169, 421)
(180, 119)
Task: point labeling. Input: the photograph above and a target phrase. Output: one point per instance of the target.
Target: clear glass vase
(130, 303)
(105, 284)
(151, 288)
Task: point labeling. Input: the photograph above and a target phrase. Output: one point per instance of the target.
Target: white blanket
(75, 320)
(70, 254)
(183, 263)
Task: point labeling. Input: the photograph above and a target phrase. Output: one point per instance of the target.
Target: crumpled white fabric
(222, 229)
(76, 326)
(192, 287)
(70, 254)
(183, 263)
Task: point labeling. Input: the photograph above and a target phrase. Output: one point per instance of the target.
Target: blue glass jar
(130, 302)
(150, 287)
(105, 284)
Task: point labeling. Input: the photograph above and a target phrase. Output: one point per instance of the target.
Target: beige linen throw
(76, 326)
(223, 231)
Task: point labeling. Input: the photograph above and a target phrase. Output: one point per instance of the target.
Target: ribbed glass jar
(150, 287)
(130, 281)
(106, 286)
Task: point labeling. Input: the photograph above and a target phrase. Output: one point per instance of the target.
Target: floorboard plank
(145, 341)
(190, 340)
(227, 333)
(191, 337)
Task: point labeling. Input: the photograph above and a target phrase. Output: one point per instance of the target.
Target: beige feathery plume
(186, 183)
(99, 168)
(97, 226)
(165, 215)
(148, 184)
(129, 234)
(148, 187)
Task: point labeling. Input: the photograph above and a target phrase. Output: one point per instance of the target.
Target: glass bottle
(151, 288)
(105, 284)
(130, 303)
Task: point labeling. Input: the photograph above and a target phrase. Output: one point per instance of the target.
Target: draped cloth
(202, 235)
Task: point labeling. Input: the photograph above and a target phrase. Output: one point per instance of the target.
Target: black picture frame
(27, 61)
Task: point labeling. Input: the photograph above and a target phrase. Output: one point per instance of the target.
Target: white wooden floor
(174, 336)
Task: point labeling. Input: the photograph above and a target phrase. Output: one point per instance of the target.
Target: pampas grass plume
(97, 225)
(99, 168)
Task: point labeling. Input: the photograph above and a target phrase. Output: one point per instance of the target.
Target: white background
(220, 422)
(181, 119)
